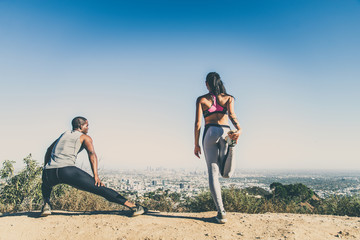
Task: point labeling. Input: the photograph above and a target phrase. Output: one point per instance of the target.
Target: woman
(217, 107)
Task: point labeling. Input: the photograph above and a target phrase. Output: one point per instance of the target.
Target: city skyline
(135, 69)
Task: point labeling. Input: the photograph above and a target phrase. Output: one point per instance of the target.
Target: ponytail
(215, 84)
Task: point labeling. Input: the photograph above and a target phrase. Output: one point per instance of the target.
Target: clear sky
(135, 68)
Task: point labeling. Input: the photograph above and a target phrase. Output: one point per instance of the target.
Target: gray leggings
(219, 159)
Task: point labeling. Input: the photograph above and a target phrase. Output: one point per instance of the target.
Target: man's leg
(78, 178)
(48, 181)
(46, 188)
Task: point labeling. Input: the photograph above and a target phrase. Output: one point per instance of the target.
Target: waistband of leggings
(216, 125)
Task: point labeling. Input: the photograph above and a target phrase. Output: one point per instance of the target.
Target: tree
(292, 192)
(257, 191)
(7, 170)
(23, 190)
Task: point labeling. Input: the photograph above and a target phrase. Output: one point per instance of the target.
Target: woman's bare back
(216, 118)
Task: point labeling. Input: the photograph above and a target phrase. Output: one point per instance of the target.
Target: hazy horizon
(135, 69)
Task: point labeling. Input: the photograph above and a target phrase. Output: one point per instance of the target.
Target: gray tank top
(65, 150)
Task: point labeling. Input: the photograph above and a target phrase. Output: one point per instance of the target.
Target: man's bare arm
(88, 144)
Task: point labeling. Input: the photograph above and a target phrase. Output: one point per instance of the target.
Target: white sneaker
(46, 210)
(138, 210)
(221, 217)
(231, 142)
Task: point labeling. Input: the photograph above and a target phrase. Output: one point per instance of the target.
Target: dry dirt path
(117, 225)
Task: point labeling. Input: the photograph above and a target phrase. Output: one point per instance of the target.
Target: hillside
(155, 225)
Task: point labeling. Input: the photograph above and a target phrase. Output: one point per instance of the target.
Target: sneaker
(46, 210)
(231, 142)
(221, 217)
(138, 210)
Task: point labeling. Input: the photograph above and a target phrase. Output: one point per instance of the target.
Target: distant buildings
(191, 183)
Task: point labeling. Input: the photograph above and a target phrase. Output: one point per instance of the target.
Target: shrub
(200, 203)
(163, 201)
(22, 191)
(64, 197)
(292, 192)
(340, 205)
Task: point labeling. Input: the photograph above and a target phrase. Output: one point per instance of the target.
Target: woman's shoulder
(226, 96)
(203, 97)
(225, 99)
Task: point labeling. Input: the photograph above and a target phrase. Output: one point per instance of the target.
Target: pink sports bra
(215, 108)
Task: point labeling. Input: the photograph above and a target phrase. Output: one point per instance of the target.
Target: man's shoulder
(85, 137)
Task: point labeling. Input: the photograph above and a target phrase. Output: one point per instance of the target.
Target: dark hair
(78, 122)
(215, 84)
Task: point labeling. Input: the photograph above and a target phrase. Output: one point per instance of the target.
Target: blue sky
(135, 69)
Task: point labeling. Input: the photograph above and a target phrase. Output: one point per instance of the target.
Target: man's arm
(88, 144)
(48, 153)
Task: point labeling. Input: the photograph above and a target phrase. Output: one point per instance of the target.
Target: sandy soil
(155, 225)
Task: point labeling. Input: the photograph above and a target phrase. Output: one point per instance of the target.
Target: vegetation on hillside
(22, 192)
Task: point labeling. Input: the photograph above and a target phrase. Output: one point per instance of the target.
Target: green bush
(291, 192)
(340, 205)
(201, 203)
(64, 197)
(22, 192)
(238, 200)
(163, 201)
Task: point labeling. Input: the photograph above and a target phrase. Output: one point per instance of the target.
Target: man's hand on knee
(98, 182)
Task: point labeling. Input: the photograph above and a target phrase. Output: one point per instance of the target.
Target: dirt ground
(156, 225)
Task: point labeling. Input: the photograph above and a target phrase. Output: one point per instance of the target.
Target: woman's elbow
(197, 125)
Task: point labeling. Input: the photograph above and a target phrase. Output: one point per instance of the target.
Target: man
(59, 167)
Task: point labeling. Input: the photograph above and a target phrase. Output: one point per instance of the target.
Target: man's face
(85, 127)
